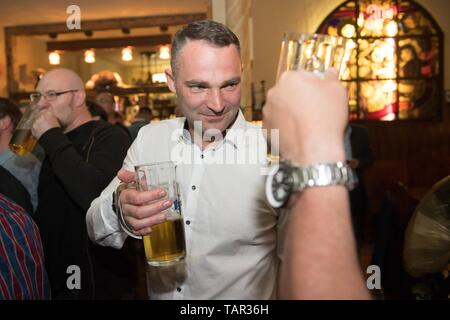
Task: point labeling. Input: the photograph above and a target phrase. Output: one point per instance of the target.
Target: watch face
(279, 185)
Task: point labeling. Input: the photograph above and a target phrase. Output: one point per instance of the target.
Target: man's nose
(43, 102)
(216, 102)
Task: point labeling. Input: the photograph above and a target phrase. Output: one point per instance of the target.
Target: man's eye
(51, 94)
(231, 86)
(197, 88)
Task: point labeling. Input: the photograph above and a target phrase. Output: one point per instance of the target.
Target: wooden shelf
(120, 91)
(137, 89)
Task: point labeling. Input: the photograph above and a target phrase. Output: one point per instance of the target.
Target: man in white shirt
(231, 232)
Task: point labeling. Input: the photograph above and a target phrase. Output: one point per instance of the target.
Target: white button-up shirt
(231, 231)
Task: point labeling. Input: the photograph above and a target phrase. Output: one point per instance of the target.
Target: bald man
(82, 156)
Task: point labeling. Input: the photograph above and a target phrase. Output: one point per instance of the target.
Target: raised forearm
(320, 257)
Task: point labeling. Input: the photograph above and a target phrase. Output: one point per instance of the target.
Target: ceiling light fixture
(89, 56)
(54, 58)
(159, 78)
(164, 53)
(127, 54)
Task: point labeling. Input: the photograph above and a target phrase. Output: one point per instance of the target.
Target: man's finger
(150, 221)
(125, 176)
(134, 197)
(331, 74)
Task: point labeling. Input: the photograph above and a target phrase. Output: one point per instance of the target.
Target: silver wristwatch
(285, 178)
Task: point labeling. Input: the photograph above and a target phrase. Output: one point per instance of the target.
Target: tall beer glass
(313, 52)
(22, 141)
(166, 244)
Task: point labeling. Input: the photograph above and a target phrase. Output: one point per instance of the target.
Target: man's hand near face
(45, 121)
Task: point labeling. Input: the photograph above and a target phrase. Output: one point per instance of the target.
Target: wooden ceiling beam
(108, 24)
(105, 43)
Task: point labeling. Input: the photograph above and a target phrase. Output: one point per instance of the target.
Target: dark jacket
(361, 148)
(77, 167)
(14, 190)
(359, 201)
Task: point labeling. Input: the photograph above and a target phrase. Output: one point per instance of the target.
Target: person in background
(22, 269)
(82, 156)
(14, 190)
(119, 118)
(119, 121)
(320, 260)
(25, 168)
(362, 159)
(143, 117)
(96, 111)
(106, 101)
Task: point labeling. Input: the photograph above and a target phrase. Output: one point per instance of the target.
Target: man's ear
(170, 80)
(79, 97)
(5, 123)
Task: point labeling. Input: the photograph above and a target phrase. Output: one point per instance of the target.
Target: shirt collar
(239, 125)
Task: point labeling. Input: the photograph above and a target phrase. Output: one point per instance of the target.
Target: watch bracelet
(322, 174)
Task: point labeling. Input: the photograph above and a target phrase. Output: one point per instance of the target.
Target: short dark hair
(210, 31)
(145, 113)
(96, 110)
(8, 108)
(144, 110)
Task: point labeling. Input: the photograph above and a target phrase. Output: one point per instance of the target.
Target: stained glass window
(395, 69)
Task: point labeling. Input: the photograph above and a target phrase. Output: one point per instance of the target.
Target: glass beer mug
(166, 244)
(22, 141)
(313, 52)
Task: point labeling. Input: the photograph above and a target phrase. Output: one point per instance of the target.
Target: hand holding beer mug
(165, 245)
(316, 53)
(313, 52)
(22, 141)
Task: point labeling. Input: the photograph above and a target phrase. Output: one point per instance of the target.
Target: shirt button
(188, 222)
(179, 289)
(202, 156)
(194, 187)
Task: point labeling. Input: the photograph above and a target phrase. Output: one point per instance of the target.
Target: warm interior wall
(273, 17)
(2, 63)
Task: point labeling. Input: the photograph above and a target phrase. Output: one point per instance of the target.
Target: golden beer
(166, 243)
(22, 142)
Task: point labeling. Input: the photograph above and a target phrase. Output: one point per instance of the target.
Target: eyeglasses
(50, 96)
